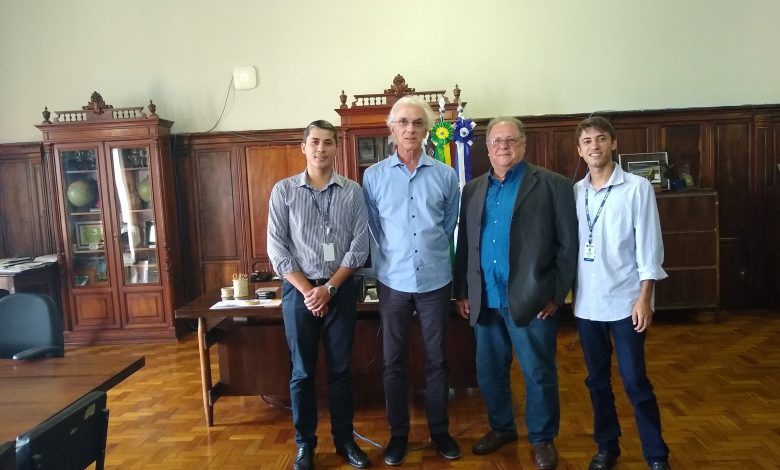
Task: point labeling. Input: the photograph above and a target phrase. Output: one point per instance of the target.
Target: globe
(81, 193)
(145, 190)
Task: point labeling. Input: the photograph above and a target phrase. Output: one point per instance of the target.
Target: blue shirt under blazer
(542, 244)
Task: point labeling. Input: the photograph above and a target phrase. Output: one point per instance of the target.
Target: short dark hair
(599, 122)
(321, 124)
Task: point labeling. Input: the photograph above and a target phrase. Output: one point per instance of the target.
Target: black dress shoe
(448, 447)
(545, 455)
(660, 466)
(604, 460)
(492, 441)
(395, 452)
(353, 454)
(304, 458)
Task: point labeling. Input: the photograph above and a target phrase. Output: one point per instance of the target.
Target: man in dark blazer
(515, 262)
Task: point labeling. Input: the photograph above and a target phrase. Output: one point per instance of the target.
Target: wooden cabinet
(110, 174)
(363, 132)
(689, 224)
(25, 221)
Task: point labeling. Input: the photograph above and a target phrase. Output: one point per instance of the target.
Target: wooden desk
(33, 391)
(254, 358)
(43, 280)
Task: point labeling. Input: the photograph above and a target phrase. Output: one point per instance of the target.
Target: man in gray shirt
(317, 236)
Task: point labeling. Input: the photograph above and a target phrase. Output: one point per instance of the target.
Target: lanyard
(325, 215)
(598, 212)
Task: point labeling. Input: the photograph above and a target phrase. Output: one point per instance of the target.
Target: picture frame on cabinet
(89, 234)
(652, 165)
(366, 150)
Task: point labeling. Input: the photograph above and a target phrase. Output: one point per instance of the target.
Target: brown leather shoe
(545, 455)
(492, 441)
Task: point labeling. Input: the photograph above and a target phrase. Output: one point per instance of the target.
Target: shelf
(140, 168)
(73, 172)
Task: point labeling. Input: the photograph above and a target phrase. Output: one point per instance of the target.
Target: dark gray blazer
(543, 249)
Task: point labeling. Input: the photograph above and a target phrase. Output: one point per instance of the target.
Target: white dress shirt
(627, 246)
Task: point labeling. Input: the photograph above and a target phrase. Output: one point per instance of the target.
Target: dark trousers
(433, 309)
(303, 331)
(630, 352)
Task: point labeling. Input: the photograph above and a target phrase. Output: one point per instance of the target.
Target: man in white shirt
(620, 257)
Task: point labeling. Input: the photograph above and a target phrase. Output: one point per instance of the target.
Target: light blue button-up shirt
(496, 222)
(412, 217)
(627, 242)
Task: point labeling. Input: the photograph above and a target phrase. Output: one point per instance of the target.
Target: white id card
(328, 252)
(590, 252)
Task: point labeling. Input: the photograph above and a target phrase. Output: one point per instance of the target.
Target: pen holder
(241, 287)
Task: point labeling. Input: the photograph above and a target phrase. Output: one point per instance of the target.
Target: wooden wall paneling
(565, 158)
(683, 144)
(265, 165)
(632, 139)
(218, 274)
(192, 277)
(217, 214)
(25, 216)
(738, 223)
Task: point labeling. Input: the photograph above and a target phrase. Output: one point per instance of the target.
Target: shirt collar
(425, 160)
(335, 178)
(513, 172)
(617, 177)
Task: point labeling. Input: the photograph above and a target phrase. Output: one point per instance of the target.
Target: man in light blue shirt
(620, 257)
(412, 202)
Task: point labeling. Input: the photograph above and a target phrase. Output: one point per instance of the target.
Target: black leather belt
(318, 282)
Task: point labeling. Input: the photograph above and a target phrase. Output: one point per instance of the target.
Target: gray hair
(413, 100)
(518, 123)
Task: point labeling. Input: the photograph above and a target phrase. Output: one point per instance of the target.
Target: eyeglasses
(417, 123)
(512, 141)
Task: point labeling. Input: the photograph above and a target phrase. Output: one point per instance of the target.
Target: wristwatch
(331, 289)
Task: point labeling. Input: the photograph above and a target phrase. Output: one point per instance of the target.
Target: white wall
(516, 57)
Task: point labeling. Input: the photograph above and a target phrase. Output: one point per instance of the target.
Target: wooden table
(35, 390)
(254, 358)
(43, 280)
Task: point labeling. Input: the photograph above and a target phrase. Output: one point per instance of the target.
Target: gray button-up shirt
(298, 221)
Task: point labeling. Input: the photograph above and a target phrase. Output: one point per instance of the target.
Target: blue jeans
(535, 346)
(630, 352)
(303, 332)
(396, 310)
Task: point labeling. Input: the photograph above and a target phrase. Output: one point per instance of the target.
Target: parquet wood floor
(718, 385)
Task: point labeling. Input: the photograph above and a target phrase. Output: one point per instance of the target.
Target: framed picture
(652, 166)
(89, 235)
(366, 150)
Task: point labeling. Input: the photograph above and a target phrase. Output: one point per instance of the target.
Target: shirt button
(415, 234)
(415, 251)
(413, 217)
(411, 197)
(494, 261)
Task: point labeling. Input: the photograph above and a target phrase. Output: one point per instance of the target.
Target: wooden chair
(71, 440)
(30, 327)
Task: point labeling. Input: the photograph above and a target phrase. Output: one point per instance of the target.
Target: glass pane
(84, 217)
(135, 215)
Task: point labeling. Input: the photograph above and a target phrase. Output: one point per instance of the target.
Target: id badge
(590, 252)
(328, 252)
